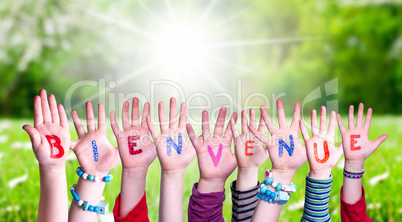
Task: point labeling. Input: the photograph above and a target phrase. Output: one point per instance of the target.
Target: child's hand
(174, 150)
(250, 152)
(135, 147)
(215, 158)
(321, 151)
(96, 155)
(285, 148)
(50, 136)
(356, 143)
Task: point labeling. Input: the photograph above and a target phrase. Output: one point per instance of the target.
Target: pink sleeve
(138, 214)
(354, 212)
(205, 206)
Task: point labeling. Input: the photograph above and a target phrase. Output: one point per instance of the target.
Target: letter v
(215, 159)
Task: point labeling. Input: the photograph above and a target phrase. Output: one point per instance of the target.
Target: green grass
(16, 162)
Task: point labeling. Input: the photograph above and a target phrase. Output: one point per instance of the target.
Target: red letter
(326, 151)
(353, 141)
(248, 147)
(54, 143)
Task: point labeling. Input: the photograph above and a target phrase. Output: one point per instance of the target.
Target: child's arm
(322, 157)
(50, 139)
(97, 157)
(250, 154)
(287, 155)
(175, 153)
(216, 162)
(137, 152)
(357, 148)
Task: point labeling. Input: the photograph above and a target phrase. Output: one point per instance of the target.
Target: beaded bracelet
(280, 197)
(101, 208)
(85, 176)
(353, 175)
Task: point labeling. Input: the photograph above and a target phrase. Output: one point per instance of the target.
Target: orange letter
(54, 142)
(326, 151)
(248, 147)
(353, 141)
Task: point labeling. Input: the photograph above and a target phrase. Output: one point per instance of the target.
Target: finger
(367, 122)
(268, 122)
(183, 115)
(376, 143)
(314, 128)
(192, 135)
(261, 137)
(53, 109)
(90, 117)
(38, 117)
(77, 124)
(206, 134)
(145, 113)
(351, 123)
(125, 116)
(331, 126)
(244, 123)
(115, 126)
(234, 129)
(303, 131)
(101, 117)
(323, 119)
(281, 114)
(162, 120)
(135, 112)
(252, 118)
(220, 122)
(47, 118)
(296, 117)
(261, 125)
(359, 121)
(152, 129)
(228, 131)
(172, 114)
(63, 116)
(340, 124)
(33, 134)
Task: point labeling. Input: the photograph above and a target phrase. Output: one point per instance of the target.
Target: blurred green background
(333, 53)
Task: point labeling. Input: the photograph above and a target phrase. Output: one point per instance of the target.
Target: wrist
(246, 178)
(320, 174)
(52, 169)
(283, 176)
(135, 172)
(354, 165)
(211, 185)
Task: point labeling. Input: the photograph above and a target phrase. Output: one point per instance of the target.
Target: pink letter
(215, 159)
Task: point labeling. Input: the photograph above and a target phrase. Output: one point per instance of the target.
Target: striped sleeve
(316, 199)
(243, 203)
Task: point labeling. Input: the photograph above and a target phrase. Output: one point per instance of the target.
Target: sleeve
(356, 211)
(316, 199)
(205, 206)
(243, 203)
(138, 214)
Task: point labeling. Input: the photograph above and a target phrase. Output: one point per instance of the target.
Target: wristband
(282, 194)
(353, 175)
(101, 208)
(85, 176)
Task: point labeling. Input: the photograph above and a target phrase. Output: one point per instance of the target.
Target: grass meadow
(19, 178)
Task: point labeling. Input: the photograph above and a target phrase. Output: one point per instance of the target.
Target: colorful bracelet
(282, 194)
(353, 175)
(85, 176)
(101, 208)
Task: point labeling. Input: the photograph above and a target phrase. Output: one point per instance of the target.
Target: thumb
(33, 134)
(376, 143)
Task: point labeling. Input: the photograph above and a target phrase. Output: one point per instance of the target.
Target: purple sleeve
(205, 206)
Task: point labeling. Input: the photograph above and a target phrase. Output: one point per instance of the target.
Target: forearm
(247, 178)
(284, 177)
(87, 191)
(132, 189)
(171, 196)
(53, 202)
(352, 191)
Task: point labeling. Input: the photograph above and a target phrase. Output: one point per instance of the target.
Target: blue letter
(289, 149)
(171, 143)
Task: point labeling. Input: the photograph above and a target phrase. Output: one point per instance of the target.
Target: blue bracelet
(85, 176)
(281, 194)
(101, 208)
